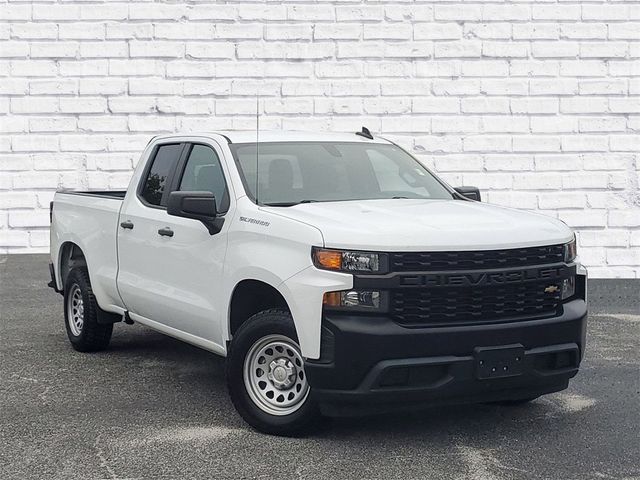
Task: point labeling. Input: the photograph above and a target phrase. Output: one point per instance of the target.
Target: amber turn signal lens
(332, 299)
(329, 259)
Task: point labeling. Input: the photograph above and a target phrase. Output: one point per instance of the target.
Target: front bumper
(371, 364)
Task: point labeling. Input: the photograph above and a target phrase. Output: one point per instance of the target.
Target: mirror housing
(198, 206)
(471, 193)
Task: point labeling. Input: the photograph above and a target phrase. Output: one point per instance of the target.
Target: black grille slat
(475, 260)
(458, 305)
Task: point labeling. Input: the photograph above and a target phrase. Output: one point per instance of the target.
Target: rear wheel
(266, 377)
(81, 314)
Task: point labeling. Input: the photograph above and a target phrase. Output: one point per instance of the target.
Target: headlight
(349, 261)
(568, 288)
(570, 250)
(356, 300)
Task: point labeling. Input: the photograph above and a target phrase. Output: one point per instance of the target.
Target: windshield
(298, 172)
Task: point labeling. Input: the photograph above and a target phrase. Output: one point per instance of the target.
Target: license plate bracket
(499, 362)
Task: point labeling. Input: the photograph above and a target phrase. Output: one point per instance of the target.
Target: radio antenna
(257, 143)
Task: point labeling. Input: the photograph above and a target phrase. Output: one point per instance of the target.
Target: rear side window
(203, 172)
(163, 164)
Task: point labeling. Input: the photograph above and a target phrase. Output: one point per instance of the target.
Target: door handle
(165, 232)
(128, 225)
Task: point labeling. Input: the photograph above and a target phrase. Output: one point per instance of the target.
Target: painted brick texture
(537, 103)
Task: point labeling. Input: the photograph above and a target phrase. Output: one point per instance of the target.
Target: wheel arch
(71, 255)
(250, 296)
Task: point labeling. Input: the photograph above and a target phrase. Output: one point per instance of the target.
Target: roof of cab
(249, 136)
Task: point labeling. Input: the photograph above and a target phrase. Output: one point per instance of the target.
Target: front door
(171, 267)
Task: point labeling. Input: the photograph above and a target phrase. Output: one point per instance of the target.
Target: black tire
(259, 326)
(92, 336)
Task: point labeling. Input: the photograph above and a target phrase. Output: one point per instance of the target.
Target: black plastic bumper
(371, 364)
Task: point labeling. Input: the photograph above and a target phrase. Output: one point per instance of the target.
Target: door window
(164, 162)
(203, 172)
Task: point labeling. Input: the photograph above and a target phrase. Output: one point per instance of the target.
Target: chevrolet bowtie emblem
(551, 289)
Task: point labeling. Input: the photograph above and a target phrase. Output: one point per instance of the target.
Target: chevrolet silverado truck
(336, 274)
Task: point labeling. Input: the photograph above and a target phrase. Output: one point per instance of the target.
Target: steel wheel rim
(274, 375)
(75, 310)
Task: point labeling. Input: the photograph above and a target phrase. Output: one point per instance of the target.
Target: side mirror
(472, 193)
(197, 205)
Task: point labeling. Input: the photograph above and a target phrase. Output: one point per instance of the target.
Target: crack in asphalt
(104, 463)
(481, 463)
(624, 316)
(190, 434)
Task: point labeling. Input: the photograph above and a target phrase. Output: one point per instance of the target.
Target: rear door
(171, 267)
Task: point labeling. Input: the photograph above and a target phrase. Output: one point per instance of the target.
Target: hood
(414, 225)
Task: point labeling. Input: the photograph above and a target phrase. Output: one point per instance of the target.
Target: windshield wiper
(287, 204)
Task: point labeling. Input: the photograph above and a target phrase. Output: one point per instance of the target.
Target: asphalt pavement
(152, 407)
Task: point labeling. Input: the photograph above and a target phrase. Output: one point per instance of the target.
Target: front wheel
(266, 377)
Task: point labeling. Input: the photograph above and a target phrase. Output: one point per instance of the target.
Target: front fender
(303, 292)
(248, 273)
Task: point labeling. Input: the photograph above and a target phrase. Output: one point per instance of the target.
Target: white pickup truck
(335, 272)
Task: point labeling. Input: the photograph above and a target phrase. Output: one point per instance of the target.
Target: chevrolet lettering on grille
(482, 278)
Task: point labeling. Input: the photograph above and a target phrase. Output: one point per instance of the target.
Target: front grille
(469, 305)
(474, 260)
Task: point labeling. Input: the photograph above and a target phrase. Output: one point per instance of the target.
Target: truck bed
(115, 194)
(89, 219)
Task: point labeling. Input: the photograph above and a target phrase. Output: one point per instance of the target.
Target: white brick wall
(537, 103)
